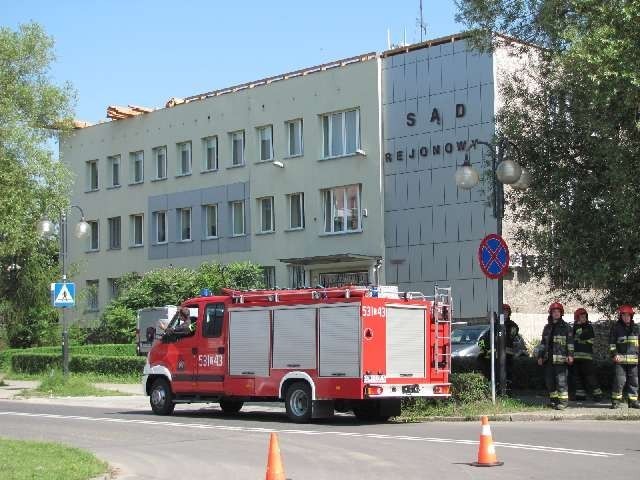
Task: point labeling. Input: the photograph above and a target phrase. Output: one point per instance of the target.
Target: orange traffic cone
(275, 470)
(486, 451)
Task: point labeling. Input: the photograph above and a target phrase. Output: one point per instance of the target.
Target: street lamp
(46, 229)
(504, 171)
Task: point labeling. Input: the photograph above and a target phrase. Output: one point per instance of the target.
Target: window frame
(156, 150)
(180, 148)
(134, 157)
(92, 167)
(261, 200)
(260, 131)
(156, 215)
(233, 219)
(300, 196)
(93, 298)
(345, 216)
(92, 224)
(206, 221)
(111, 221)
(112, 162)
(288, 125)
(218, 321)
(269, 272)
(132, 226)
(328, 136)
(242, 157)
(179, 214)
(205, 158)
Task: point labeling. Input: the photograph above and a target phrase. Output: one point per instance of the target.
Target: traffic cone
(275, 470)
(486, 451)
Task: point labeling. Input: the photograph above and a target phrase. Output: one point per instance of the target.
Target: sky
(144, 52)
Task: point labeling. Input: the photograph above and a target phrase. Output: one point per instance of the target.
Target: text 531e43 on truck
(318, 350)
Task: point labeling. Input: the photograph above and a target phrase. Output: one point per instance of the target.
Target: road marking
(232, 428)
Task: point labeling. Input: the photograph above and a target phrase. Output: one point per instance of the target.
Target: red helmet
(578, 312)
(506, 308)
(626, 309)
(556, 306)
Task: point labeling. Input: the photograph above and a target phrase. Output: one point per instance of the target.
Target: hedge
(127, 350)
(42, 362)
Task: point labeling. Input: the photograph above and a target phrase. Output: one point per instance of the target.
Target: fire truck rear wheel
(298, 402)
(369, 411)
(229, 406)
(161, 397)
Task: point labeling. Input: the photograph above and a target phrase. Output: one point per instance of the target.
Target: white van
(148, 326)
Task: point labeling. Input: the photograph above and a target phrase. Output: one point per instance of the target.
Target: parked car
(464, 341)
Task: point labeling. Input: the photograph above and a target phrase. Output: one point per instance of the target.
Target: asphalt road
(200, 443)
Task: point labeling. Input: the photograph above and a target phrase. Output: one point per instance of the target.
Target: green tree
(574, 113)
(33, 184)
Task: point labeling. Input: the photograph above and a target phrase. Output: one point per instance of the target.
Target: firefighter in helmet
(583, 371)
(184, 326)
(511, 334)
(555, 354)
(623, 343)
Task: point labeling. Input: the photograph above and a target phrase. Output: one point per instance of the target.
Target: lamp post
(46, 229)
(504, 171)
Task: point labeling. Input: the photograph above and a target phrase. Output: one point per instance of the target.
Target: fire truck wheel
(161, 398)
(229, 406)
(369, 412)
(298, 402)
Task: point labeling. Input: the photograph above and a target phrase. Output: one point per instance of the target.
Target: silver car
(464, 341)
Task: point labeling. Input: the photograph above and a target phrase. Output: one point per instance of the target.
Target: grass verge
(22, 460)
(73, 386)
(423, 409)
(88, 377)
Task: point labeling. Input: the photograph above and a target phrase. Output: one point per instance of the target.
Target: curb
(531, 417)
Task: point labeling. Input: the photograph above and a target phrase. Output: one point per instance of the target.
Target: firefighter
(511, 331)
(583, 370)
(185, 325)
(623, 343)
(555, 354)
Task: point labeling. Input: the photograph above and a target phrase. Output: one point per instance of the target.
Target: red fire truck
(318, 350)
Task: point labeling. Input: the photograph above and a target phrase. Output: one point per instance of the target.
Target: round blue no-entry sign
(493, 256)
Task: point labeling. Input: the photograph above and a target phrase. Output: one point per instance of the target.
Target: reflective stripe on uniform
(616, 396)
(559, 359)
(563, 395)
(583, 356)
(553, 395)
(629, 359)
(560, 339)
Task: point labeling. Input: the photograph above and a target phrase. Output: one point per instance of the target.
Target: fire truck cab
(319, 350)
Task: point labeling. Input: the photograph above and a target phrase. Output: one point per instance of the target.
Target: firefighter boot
(560, 406)
(615, 404)
(634, 404)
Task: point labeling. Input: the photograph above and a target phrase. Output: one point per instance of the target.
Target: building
(320, 175)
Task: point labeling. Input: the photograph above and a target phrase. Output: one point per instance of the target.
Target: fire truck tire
(229, 406)
(369, 412)
(161, 397)
(298, 402)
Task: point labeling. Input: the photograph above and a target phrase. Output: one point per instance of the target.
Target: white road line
(206, 426)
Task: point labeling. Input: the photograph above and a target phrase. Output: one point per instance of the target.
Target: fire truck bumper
(407, 390)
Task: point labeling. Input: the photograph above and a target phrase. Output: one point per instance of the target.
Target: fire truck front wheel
(161, 397)
(298, 402)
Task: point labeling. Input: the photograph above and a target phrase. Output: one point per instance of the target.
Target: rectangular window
(136, 170)
(213, 318)
(269, 276)
(237, 148)
(136, 223)
(237, 218)
(160, 220)
(114, 233)
(342, 209)
(211, 221)
(341, 133)
(114, 170)
(296, 210)
(210, 148)
(114, 287)
(265, 137)
(160, 161)
(184, 224)
(266, 214)
(294, 137)
(92, 175)
(94, 236)
(93, 288)
(184, 158)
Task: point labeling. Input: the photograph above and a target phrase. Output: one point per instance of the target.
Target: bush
(106, 365)
(469, 387)
(35, 362)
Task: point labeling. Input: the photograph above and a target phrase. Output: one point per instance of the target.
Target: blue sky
(144, 52)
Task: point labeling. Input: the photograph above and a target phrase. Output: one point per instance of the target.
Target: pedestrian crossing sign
(63, 294)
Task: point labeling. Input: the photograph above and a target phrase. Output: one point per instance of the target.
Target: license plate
(375, 379)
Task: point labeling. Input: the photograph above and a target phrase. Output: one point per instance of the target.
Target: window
(93, 288)
(210, 147)
(269, 277)
(341, 133)
(184, 224)
(265, 137)
(296, 210)
(211, 221)
(136, 169)
(237, 218)
(213, 317)
(184, 158)
(136, 230)
(294, 137)
(266, 214)
(94, 236)
(114, 233)
(114, 170)
(92, 175)
(237, 148)
(297, 276)
(342, 209)
(160, 221)
(114, 287)
(160, 161)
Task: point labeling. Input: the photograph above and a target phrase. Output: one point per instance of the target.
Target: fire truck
(360, 349)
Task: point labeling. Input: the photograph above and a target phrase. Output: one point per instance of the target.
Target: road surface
(199, 443)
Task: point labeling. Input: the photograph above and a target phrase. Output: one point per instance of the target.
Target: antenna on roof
(388, 39)
(421, 25)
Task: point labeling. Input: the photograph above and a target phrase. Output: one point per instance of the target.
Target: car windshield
(466, 336)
